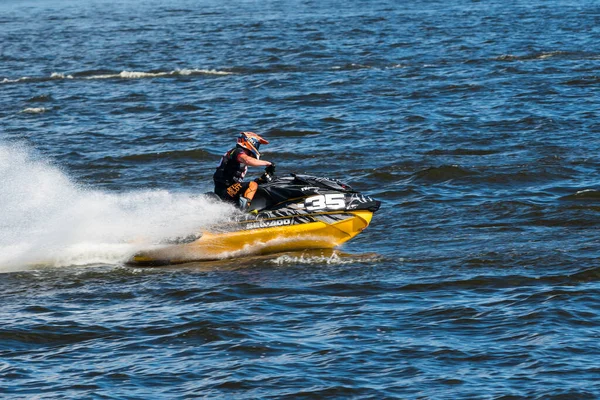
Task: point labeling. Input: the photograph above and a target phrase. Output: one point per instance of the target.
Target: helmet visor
(254, 142)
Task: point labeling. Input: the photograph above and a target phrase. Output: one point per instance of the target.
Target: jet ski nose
(375, 206)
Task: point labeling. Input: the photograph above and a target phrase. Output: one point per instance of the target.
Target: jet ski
(288, 213)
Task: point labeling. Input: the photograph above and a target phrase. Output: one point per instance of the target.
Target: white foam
(57, 75)
(126, 75)
(142, 74)
(334, 258)
(201, 72)
(47, 218)
(35, 110)
(25, 78)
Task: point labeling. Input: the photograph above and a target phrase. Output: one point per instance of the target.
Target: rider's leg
(248, 195)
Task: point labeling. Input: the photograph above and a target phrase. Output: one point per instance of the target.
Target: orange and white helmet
(251, 141)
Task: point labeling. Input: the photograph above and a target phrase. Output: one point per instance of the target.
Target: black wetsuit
(229, 176)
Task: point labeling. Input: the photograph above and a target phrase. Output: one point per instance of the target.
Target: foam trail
(46, 218)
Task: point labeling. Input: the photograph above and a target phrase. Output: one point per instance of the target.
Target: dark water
(476, 124)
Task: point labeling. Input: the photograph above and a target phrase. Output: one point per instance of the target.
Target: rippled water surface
(476, 124)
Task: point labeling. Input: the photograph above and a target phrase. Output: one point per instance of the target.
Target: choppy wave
(443, 173)
(547, 55)
(583, 81)
(43, 98)
(193, 154)
(94, 75)
(140, 75)
(584, 195)
(462, 152)
(291, 133)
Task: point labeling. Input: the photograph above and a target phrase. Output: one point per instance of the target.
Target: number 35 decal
(327, 201)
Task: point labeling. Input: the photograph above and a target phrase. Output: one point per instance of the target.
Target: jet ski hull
(262, 236)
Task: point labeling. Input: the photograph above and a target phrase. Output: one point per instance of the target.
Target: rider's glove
(270, 169)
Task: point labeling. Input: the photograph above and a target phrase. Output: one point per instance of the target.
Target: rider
(229, 176)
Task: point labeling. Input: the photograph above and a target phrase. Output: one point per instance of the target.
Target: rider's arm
(251, 161)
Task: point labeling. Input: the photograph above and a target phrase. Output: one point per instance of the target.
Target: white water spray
(46, 218)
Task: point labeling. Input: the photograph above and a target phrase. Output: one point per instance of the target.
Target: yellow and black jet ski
(294, 212)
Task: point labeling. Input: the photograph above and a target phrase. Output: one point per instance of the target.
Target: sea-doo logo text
(327, 201)
(269, 224)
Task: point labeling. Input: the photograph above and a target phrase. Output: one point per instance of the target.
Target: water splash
(47, 218)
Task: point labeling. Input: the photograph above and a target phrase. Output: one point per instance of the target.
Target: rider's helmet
(251, 141)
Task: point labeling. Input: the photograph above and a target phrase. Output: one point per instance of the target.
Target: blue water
(475, 123)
